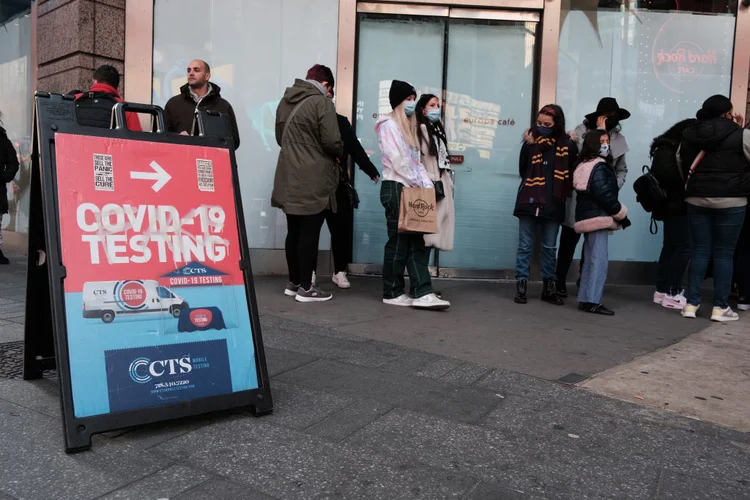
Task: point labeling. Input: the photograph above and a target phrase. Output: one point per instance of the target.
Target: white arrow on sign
(159, 175)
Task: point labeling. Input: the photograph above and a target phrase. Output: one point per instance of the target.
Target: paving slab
(416, 393)
(165, 483)
(222, 489)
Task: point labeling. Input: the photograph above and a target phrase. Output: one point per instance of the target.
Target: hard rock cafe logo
(684, 63)
(421, 207)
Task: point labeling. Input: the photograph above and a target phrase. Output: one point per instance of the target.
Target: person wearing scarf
(545, 166)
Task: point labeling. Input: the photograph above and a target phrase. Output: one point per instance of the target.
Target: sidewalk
(372, 402)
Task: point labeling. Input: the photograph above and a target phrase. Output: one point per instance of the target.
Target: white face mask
(410, 107)
(604, 150)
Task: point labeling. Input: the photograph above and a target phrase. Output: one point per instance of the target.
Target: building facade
(493, 61)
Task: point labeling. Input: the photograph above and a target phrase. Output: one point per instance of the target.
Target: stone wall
(76, 36)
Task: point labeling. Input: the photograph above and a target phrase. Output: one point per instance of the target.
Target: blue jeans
(675, 254)
(713, 231)
(595, 267)
(527, 225)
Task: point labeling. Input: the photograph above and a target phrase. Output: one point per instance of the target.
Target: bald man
(197, 93)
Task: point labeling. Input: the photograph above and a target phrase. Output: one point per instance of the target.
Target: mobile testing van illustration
(108, 299)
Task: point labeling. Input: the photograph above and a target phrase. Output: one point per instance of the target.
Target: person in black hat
(607, 116)
(402, 167)
(715, 159)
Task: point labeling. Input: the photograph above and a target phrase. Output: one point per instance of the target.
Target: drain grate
(11, 361)
(572, 378)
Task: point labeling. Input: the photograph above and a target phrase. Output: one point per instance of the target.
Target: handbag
(439, 190)
(417, 212)
(351, 192)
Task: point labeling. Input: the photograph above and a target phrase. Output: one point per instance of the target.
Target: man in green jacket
(307, 175)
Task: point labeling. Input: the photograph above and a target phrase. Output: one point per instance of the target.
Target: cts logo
(189, 271)
(143, 370)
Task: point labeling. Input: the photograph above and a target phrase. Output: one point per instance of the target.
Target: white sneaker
(689, 311)
(403, 301)
(678, 301)
(432, 302)
(724, 315)
(659, 297)
(341, 281)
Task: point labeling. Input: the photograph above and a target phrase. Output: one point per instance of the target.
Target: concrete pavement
(369, 403)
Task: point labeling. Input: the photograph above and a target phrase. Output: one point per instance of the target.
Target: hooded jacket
(400, 163)
(179, 112)
(725, 170)
(306, 172)
(597, 206)
(8, 166)
(131, 119)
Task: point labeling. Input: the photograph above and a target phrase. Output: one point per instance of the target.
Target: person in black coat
(341, 223)
(677, 245)
(545, 165)
(8, 170)
(598, 211)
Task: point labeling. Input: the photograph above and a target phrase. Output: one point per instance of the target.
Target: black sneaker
(595, 309)
(562, 289)
(314, 294)
(3, 259)
(291, 289)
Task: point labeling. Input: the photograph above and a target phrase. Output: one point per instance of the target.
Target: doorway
(483, 64)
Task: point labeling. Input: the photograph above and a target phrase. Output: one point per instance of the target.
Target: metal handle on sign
(118, 114)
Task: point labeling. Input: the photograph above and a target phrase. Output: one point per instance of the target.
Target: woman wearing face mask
(607, 116)
(716, 189)
(598, 211)
(402, 167)
(434, 148)
(545, 168)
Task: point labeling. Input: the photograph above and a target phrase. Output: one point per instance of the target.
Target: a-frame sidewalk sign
(140, 291)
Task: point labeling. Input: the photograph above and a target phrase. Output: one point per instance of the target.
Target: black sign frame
(45, 333)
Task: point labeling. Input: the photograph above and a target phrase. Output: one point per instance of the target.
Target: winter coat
(353, 148)
(446, 208)
(179, 112)
(618, 145)
(554, 209)
(307, 173)
(725, 170)
(401, 163)
(665, 169)
(597, 207)
(8, 167)
(131, 119)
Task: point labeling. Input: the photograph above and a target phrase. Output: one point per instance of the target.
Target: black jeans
(742, 259)
(568, 242)
(340, 225)
(303, 234)
(675, 254)
(402, 250)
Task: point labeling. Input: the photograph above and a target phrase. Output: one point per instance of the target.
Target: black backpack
(94, 109)
(649, 192)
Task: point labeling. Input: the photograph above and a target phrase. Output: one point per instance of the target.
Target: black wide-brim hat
(608, 105)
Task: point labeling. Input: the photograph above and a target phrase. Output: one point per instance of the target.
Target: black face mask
(612, 123)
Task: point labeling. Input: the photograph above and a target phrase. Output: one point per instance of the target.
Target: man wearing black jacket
(197, 93)
(341, 223)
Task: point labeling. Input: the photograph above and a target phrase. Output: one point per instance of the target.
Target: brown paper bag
(417, 212)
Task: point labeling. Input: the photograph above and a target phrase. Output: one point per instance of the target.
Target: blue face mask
(410, 107)
(433, 115)
(544, 131)
(604, 150)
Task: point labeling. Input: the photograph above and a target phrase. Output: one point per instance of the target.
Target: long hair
(558, 117)
(407, 125)
(674, 134)
(435, 131)
(591, 145)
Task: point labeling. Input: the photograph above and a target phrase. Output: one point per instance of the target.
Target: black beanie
(714, 107)
(399, 92)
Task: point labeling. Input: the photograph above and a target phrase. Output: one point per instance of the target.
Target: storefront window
(15, 105)
(660, 59)
(256, 49)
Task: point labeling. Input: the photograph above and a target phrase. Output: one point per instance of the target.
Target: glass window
(15, 105)
(255, 49)
(164, 293)
(661, 59)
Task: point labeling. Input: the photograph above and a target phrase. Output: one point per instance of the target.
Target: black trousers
(340, 225)
(568, 242)
(303, 234)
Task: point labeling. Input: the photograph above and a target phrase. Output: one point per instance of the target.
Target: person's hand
(527, 137)
(573, 136)
(601, 123)
(376, 179)
(739, 119)
(184, 133)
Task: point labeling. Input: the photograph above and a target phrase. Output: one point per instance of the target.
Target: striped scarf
(534, 188)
